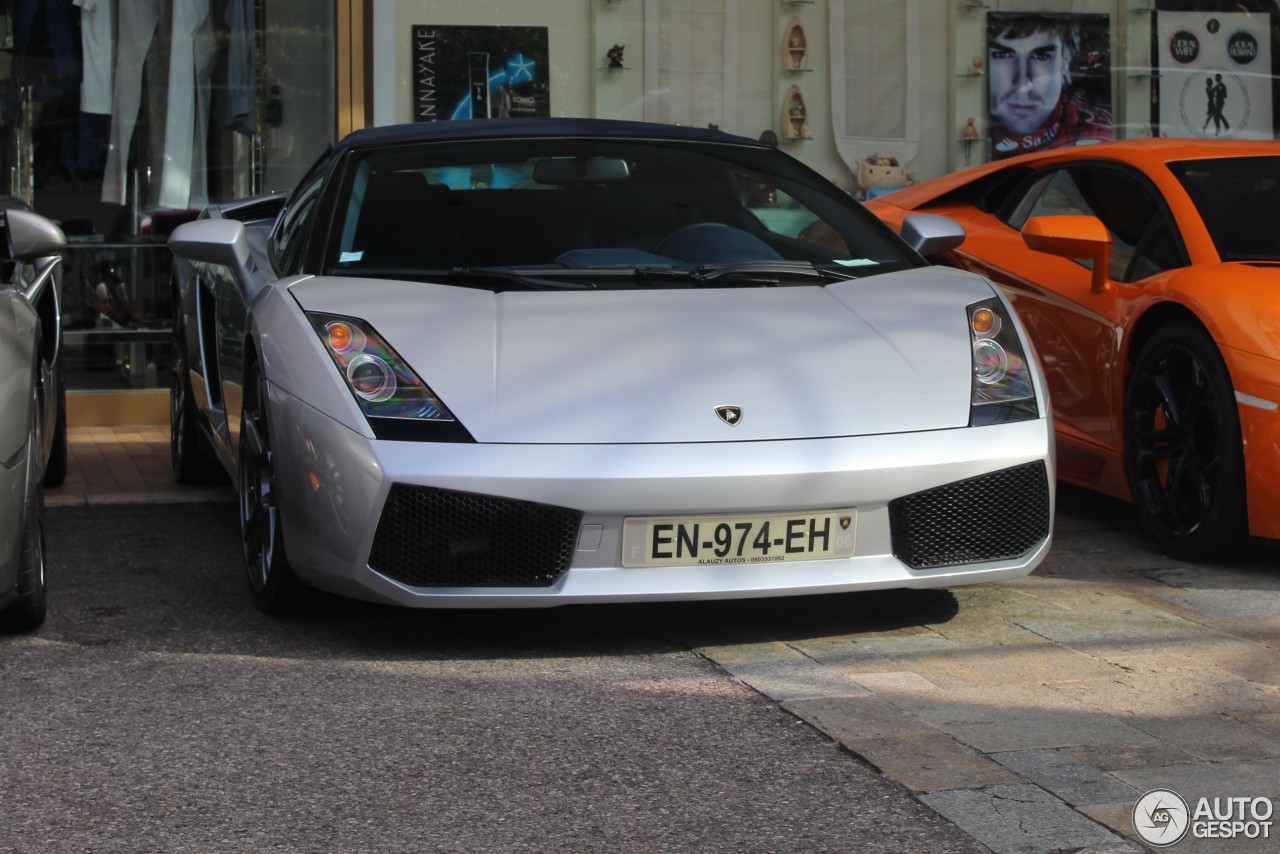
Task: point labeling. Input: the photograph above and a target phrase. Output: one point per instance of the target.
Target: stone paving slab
(1260, 778)
(1118, 758)
(931, 762)
(1024, 717)
(850, 718)
(796, 680)
(1215, 738)
(1075, 782)
(1119, 817)
(1020, 819)
(1155, 692)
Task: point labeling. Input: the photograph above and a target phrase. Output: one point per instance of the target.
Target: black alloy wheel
(274, 586)
(1183, 454)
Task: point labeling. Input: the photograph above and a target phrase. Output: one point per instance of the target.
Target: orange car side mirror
(1080, 237)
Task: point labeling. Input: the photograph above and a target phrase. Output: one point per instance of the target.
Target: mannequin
(182, 179)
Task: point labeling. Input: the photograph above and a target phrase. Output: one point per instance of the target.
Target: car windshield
(601, 213)
(1237, 198)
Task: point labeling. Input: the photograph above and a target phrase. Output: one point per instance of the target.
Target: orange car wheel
(1183, 454)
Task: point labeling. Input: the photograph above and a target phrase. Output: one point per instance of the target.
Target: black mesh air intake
(437, 538)
(993, 517)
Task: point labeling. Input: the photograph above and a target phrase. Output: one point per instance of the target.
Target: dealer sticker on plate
(719, 540)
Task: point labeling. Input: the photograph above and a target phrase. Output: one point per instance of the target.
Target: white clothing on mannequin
(97, 39)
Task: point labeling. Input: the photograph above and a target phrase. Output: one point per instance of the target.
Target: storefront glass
(123, 118)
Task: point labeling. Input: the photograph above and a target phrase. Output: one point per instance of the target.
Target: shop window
(122, 119)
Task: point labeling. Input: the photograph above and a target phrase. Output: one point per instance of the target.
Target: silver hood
(886, 354)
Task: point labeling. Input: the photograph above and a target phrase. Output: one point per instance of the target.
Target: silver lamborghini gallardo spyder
(521, 363)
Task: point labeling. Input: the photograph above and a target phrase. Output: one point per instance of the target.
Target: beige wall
(580, 31)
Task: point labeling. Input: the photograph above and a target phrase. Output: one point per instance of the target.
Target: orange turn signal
(985, 323)
(339, 337)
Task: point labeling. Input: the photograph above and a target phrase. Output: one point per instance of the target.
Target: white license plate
(756, 538)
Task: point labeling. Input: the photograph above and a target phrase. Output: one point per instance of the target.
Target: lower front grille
(996, 516)
(439, 538)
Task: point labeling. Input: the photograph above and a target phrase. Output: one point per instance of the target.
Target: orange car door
(1076, 330)
(1072, 329)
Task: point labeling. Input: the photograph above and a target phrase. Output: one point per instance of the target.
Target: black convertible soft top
(467, 129)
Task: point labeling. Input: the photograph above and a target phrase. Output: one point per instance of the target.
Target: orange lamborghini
(1147, 273)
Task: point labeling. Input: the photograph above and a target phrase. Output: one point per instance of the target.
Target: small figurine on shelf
(614, 55)
(795, 46)
(977, 67)
(795, 116)
(971, 135)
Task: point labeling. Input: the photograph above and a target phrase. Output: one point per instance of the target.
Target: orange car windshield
(1237, 198)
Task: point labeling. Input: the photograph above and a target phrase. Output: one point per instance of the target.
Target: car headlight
(1002, 387)
(395, 400)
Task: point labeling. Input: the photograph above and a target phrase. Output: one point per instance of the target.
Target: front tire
(271, 580)
(1183, 454)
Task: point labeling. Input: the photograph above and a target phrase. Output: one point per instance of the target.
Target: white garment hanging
(137, 24)
(97, 39)
(183, 178)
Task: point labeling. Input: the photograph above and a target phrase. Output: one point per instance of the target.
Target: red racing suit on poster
(1077, 120)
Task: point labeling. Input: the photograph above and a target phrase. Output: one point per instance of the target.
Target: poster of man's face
(1049, 80)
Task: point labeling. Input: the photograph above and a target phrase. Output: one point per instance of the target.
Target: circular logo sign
(1184, 46)
(1161, 817)
(1242, 47)
(1213, 26)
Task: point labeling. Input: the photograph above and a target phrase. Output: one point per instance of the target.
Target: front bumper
(334, 485)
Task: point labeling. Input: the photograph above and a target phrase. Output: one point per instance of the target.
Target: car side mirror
(214, 241)
(930, 234)
(36, 240)
(1076, 237)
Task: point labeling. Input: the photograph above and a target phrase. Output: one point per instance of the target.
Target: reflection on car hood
(886, 354)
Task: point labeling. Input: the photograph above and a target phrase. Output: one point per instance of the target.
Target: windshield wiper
(533, 278)
(542, 278)
(759, 272)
